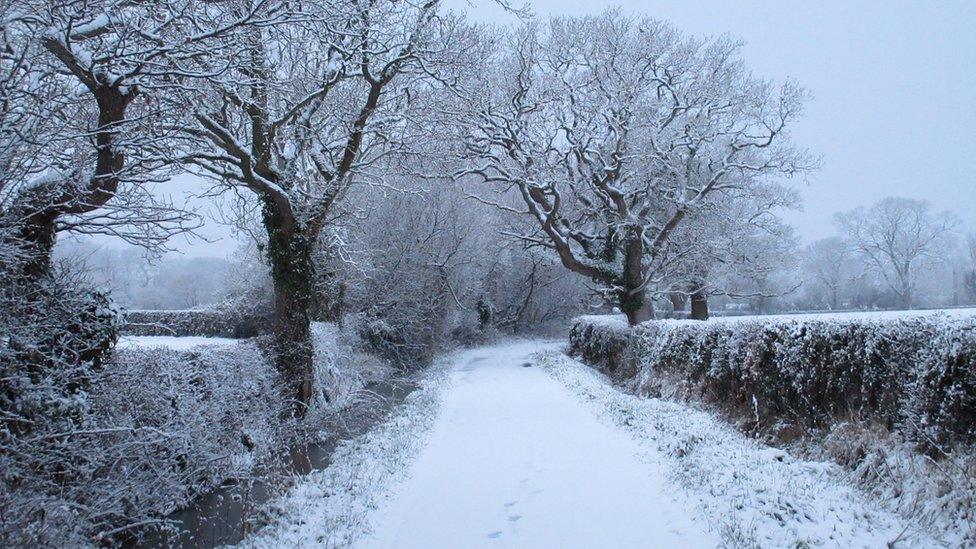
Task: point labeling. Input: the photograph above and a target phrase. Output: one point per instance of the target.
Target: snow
(328, 508)
(753, 495)
(618, 321)
(516, 461)
(856, 315)
(614, 322)
(517, 445)
(171, 342)
(95, 25)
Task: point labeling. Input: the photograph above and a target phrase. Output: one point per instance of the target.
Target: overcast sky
(893, 84)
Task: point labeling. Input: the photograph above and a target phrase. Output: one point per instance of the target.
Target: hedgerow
(916, 376)
(604, 342)
(189, 322)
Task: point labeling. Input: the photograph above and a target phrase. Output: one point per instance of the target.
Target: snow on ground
(329, 508)
(518, 445)
(172, 342)
(753, 495)
(516, 461)
(855, 315)
(617, 320)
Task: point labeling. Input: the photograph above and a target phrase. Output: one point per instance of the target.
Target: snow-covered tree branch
(614, 130)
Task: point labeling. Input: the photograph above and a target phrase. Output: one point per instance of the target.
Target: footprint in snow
(495, 535)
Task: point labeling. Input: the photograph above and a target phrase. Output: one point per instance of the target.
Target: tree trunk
(699, 306)
(638, 313)
(905, 286)
(635, 305)
(906, 299)
(293, 273)
(33, 235)
(632, 297)
(678, 301)
(34, 214)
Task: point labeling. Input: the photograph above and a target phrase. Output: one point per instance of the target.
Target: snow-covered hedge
(190, 322)
(913, 375)
(158, 427)
(605, 342)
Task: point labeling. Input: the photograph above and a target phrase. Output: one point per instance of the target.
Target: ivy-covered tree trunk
(293, 275)
(632, 294)
(31, 220)
(636, 306)
(32, 235)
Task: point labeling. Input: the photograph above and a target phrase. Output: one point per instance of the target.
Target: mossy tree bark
(293, 274)
(633, 296)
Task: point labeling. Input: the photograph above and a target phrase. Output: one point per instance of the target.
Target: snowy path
(514, 460)
(490, 452)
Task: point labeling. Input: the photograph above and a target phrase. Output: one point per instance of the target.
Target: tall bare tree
(613, 130)
(308, 107)
(84, 80)
(730, 248)
(828, 262)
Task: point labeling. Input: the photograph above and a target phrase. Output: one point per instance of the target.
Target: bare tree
(613, 130)
(308, 106)
(969, 271)
(898, 237)
(729, 248)
(83, 79)
(828, 263)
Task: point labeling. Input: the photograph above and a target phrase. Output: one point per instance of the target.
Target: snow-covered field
(171, 342)
(621, 320)
(519, 446)
(864, 315)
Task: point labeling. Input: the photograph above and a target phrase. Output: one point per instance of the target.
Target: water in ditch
(225, 515)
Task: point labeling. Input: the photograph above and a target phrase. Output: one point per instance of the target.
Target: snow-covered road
(518, 445)
(515, 460)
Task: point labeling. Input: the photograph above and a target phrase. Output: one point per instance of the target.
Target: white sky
(893, 84)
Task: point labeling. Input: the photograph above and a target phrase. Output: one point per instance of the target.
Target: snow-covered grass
(329, 508)
(752, 495)
(172, 342)
(342, 368)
